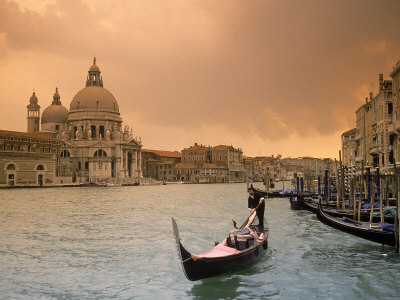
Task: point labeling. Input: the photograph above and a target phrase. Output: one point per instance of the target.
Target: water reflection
(118, 243)
(213, 288)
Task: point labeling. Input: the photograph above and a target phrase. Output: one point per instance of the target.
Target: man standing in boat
(254, 200)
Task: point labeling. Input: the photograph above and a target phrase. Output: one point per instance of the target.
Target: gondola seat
(241, 239)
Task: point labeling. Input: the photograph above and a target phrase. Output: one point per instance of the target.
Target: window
(390, 108)
(40, 168)
(101, 132)
(10, 167)
(100, 153)
(93, 129)
(57, 127)
(86, 165)
(65, 153)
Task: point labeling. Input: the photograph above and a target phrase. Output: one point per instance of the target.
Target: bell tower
(33, 114)
(94, 78)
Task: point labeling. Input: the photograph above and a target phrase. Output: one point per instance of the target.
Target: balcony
(394, 126)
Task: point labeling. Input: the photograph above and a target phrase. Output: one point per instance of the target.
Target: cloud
(272, 70)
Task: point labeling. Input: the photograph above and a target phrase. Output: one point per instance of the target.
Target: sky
(269, 77)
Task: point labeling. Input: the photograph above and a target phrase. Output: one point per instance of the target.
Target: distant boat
(92, 184)
(375, 232)
(222, 258)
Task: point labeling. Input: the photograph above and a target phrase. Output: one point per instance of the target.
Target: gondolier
(253, 201)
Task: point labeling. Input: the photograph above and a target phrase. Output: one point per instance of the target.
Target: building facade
(158, 164)
(349, 147)
(375, 130)
(27, 159)
(93, 145)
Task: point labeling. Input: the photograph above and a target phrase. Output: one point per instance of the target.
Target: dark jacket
(253, 202)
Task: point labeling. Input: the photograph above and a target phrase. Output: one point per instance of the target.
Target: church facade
(94, 146)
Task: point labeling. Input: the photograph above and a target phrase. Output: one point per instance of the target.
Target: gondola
(311, 205)
(220, 259)
(294, 203)
(370, 231)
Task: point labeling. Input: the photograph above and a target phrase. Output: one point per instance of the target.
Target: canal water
(117, 243)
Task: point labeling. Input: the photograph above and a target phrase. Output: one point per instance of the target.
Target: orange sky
(270, 77)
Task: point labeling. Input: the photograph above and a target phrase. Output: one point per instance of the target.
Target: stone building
(27, 159)
(394, 127)
(374, 128)
(158, 164)
(94, 146)
(349, 147)
(260, 168)
(213, 164)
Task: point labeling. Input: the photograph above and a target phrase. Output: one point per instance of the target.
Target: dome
(33, 99)
(94, 97)
(94, 68)
(55, 114)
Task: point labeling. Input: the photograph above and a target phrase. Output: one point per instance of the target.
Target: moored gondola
(370, 231)
(220, 259)
(307, 203)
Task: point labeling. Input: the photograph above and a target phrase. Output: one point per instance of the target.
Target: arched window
(93, 129)
(74, 131)
(65, 153)
(100, 153)
(101, 132)
(40, 168)
(10, 167)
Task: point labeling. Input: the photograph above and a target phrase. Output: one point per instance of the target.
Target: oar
(245, 222)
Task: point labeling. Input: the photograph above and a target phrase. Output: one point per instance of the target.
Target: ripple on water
(94, 243)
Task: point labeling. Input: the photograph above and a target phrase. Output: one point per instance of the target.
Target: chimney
(366, 100)
(370, 95)
(380, 81)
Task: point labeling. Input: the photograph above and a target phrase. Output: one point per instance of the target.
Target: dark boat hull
(210, 267)
(333, 211)
(360, 229)
(294, 204)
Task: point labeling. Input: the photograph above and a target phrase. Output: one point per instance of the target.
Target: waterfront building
(232, 158)
(310, 167)
(394, 128)
(93, 146)
(218, 159)
(27, 159)
(202, 173)
(260, 168)
(96, 148)
(349, 147)
(374, 128)
(158, 164)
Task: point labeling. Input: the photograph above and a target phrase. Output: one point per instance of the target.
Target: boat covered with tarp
(382, 233)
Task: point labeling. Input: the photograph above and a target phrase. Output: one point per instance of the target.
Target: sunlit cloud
(265, 74)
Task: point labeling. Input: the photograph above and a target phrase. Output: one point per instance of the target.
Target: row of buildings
(375, 141)
(87, 144)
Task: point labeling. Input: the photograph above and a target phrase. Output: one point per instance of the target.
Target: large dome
(55, 114)
(94, 97)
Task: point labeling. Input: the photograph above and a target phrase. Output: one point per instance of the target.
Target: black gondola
(369, 231)
(221, 259)
(331, 209)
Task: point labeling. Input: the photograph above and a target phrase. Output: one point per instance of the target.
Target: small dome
(33, 99)
(94, 97)
(55, 114)
(94, 68)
